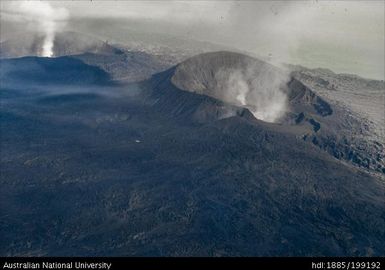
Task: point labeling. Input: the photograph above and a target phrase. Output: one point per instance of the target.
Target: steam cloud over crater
(258, 90)
(41, 18)
(236, 79)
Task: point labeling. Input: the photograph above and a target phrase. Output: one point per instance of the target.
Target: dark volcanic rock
(54, 71)
(166, 172)
(298, 93)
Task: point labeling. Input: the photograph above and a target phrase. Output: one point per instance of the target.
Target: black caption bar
(120, 263)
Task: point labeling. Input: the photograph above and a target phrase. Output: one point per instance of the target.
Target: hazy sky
(345, 36)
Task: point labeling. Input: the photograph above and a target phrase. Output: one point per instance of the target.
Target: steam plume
(42, 17)
(260, 90)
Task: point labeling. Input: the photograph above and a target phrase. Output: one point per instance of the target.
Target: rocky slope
(314, 117)
(364, 98)
(150, 169)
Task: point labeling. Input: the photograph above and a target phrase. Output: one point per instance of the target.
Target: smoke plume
(260, 90)
(41, 17)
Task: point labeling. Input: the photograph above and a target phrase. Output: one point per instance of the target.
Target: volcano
(302, 111)
(178, 165)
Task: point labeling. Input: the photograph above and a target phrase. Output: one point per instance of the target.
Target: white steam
(260, 90)
(41, 17)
